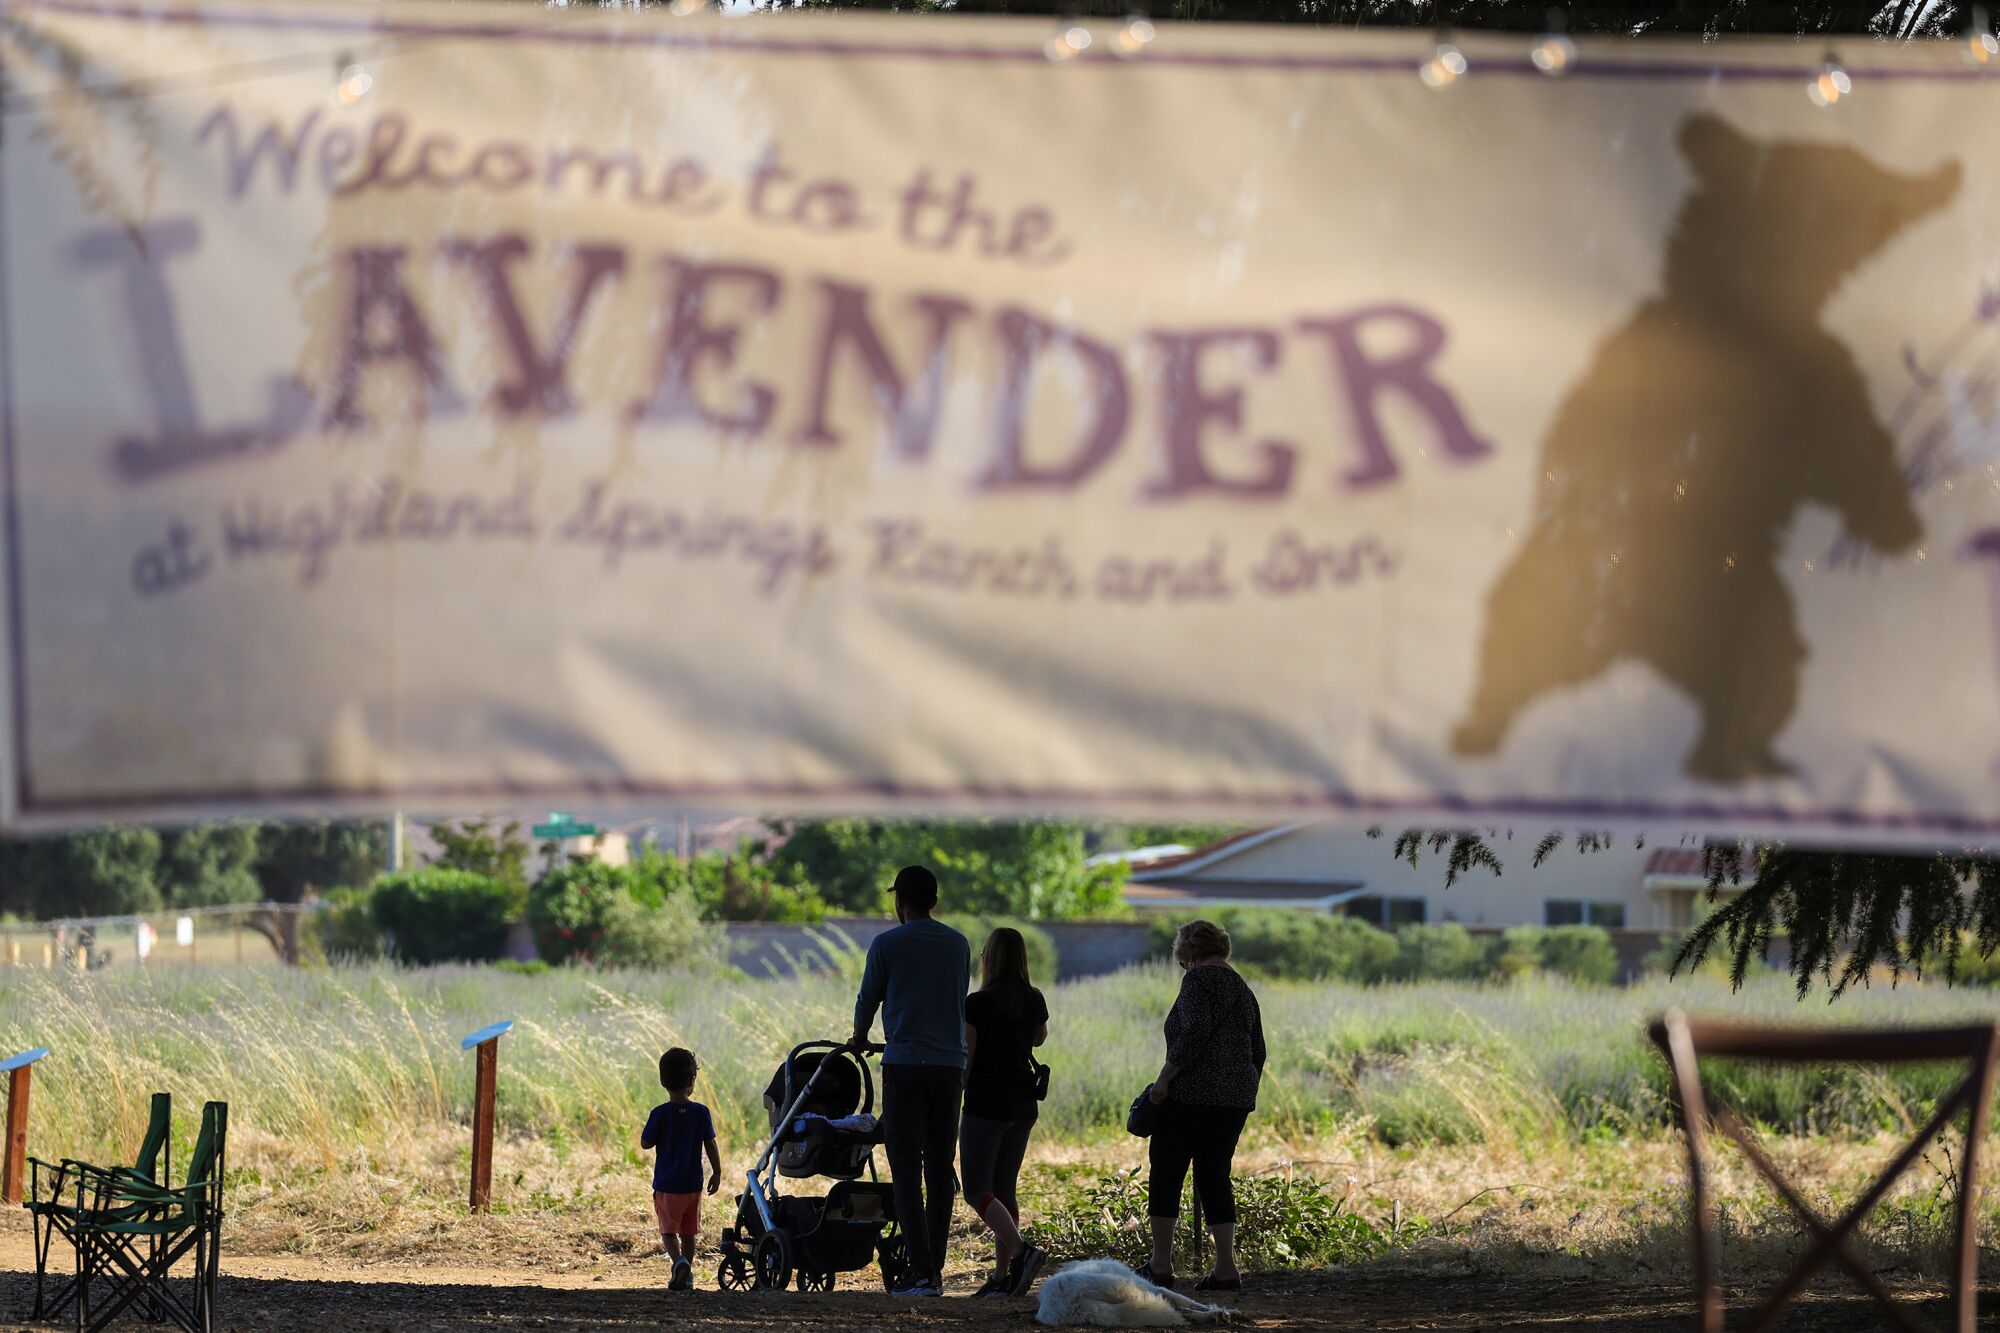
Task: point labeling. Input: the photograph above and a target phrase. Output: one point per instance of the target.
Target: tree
(209, 865)
(1034, 869)
(1131, 837)
(294, 860)
(1845, 913)
(105, 872)
(478, 847)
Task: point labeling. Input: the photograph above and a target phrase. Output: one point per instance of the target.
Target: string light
(1443, 68)
(1831, 85)
(1134, 35)
(352, 85)
(1981, 46)
(1555, 52)
(1072, 40)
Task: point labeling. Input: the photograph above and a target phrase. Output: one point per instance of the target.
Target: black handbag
(1144, 1117)
(1041, 1079)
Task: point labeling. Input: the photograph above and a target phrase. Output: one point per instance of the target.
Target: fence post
(20, 1071)
(487, 1039)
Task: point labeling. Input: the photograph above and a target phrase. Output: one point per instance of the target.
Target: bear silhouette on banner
(1676, 466)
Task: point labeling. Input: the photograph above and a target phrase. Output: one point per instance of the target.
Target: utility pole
(396, 842)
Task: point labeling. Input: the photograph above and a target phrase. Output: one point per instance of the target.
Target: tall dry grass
(1528, 1121)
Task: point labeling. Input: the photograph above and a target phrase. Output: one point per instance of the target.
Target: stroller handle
(863, 1049)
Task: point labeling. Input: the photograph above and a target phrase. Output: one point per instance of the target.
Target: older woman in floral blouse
(1206, 1090)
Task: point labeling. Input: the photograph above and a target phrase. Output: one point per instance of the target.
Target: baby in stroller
(821, 1105)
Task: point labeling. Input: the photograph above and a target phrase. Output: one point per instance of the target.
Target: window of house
(1382, 911)
(1577, 912)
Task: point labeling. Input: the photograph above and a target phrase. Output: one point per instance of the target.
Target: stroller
(821, 1103)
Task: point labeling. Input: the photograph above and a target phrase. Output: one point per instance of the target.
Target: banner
(456, 406)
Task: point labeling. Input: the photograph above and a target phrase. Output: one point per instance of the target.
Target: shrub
(1302, 946)
(442, 916)
(1043, 963)
(1517, 953)
(569, 906)
(670, 934)
(640, 915)
(1443, 952)
(730, 887)
(1281, 1223)
(1581, 953)
(345, 929)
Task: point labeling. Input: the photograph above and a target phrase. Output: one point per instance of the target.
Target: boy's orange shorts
(679, 1214)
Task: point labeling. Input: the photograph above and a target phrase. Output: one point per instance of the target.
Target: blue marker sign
(25, 1058)
(487, 1033)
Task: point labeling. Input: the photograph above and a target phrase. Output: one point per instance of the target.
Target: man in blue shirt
(917, 975)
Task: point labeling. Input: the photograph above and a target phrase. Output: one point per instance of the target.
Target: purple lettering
(140, 253)
(1023, 336)
(1365, 376)
(691, 338)
(284, 153)
(1186, 409)
(378, 286)
(540, 383)
(913, 414)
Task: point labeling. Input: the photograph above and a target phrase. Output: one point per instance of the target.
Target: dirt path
(314, 1294)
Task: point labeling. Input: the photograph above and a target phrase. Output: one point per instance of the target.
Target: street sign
(561, 826)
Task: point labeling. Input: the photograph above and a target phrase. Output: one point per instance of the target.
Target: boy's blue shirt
(917, 974)
(677, 1131)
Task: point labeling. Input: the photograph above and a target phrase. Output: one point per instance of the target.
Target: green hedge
(1042, 959)
(1308, 946)
(1305, 946)
(444, 916)
(345, 929)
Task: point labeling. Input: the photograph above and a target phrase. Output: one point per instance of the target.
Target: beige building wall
(1328, 852)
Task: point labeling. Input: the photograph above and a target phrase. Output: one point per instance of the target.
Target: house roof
(1274, 893)
(1201, 858)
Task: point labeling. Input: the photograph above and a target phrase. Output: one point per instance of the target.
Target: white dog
(1106, 1293)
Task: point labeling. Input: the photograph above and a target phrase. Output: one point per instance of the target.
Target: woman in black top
(1004, 1020)
(1205, 1091)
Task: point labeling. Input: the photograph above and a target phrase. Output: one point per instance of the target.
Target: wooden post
(487, 1040)
(482, 1126)
(20, 1071)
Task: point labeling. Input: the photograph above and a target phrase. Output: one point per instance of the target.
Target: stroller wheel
(774, 1262)
(815, 1281)
(734, 1274)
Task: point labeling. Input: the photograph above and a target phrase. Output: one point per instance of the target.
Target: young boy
(681, 1129)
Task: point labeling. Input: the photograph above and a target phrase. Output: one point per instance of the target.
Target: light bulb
(352, 85)
(1443, 68)
(1830, 85)
(1134, 35)
(1072, 41)
(1553, 55)
(1981, 46)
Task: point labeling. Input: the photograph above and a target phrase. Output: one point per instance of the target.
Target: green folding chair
(52, 1200)
(130, 1233)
